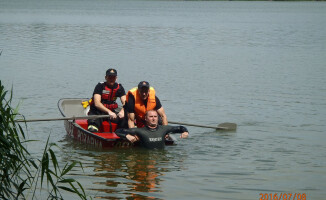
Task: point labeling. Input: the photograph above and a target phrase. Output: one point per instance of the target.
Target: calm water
(261, 65)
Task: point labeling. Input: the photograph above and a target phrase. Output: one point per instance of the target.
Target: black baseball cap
(111, 72)
(143, 84)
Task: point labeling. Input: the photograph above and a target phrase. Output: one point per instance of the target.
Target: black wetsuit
(152, 138)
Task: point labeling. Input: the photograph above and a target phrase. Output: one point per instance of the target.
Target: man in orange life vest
(104, 101)
(141, 99)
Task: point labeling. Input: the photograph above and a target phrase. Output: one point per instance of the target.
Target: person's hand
(113, 116)
(132, 138)
(184, 135)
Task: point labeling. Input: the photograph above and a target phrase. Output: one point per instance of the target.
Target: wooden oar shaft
(223, 126)
(196, 125)
(199, 125)
(64, 118)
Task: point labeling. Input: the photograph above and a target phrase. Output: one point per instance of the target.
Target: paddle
(223, 126)
(64, 118)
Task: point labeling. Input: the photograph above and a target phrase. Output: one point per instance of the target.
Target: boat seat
(105, 125)
(82, 122)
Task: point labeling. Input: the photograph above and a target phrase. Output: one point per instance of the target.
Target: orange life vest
(140, 108)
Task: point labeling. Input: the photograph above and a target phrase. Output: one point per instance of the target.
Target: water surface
(258, 64)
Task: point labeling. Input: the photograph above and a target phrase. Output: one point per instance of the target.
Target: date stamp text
(282, 196)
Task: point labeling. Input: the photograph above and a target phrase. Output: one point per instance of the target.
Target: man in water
(104, 101)
(140, 100)
(152, 135)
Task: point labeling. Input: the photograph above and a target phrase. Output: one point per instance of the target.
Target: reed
(21, 175)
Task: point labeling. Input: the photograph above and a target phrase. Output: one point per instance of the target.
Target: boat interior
(74, 108)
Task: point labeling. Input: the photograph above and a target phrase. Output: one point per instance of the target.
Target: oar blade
(227, 126)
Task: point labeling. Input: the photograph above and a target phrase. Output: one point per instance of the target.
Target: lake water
(261, 65)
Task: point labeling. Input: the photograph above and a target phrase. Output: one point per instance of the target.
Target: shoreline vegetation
(22, 175)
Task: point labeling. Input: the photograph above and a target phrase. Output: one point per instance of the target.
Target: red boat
(77, 127)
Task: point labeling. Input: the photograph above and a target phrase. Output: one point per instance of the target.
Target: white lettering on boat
(82, 137)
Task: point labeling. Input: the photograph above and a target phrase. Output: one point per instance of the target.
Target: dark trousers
(122, 122)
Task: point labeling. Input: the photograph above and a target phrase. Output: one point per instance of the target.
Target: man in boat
(141, 99)
(153, 135)
(104, 102)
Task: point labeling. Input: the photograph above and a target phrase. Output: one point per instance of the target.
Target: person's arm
(121, 114)
(98, 104)
(179, 129)
(129, 134)
(131, 120)
(130, 105)
(161, 112)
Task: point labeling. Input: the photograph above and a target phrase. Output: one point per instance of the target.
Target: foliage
(20, 174)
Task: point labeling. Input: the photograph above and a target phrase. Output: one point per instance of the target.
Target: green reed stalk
(21, 175)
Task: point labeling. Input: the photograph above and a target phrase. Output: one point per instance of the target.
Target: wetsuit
(151, 138)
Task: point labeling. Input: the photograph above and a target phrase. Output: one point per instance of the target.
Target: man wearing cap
(104, 101)
(140, 100)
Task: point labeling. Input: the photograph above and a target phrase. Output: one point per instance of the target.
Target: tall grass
(21, 175)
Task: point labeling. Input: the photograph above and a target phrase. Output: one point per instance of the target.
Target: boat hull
(85, 137)
(77, 129)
